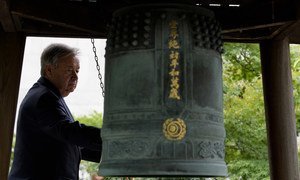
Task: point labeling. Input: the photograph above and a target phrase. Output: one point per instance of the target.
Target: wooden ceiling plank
(5, 17)
(62, 24)
(281, 29)
(254, 27)
(17, 21)
(244, 39)
(92, 18)
(57, 32)
(284, 9)
(72, 15)
(295, 34)
(287, 31)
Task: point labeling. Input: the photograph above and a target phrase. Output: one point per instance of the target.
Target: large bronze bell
(163, 110)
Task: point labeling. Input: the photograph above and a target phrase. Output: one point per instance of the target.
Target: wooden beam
(75, 16)
(283, 31)
(249, 15)
(297, 6)
(284, 9)
(255, 34)
(261, 26)
(295, 37)
(55, 23)
(279, 109)
(11, 58)
(5, 17)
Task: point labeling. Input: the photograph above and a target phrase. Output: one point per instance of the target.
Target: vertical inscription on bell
(174, 72)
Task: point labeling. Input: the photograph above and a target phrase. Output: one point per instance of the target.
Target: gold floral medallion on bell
(174, 129)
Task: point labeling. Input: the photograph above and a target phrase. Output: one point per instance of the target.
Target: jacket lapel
(67, 109)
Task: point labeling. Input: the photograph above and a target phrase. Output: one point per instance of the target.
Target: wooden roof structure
(274, 24)
(241, 20)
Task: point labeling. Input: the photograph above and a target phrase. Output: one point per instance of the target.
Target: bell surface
(163, 107)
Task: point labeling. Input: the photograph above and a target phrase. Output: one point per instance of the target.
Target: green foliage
(249, 169)
(245, 124)
(241, 61)
(295, 65)
(246, 139)
(95, 119)
(241, 66)
(12, 151)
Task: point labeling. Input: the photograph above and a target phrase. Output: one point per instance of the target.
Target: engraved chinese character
(173, 44)
(174, 57)
(173, 33)
(173, 24)
(174, 83)
(174, 94)
(174, 72)
(174, 63)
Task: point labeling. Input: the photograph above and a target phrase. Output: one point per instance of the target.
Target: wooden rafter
(250, 20)
(5, 17)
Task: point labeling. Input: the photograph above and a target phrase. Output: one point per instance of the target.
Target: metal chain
(97, 66)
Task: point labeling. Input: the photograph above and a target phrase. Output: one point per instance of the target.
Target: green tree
(94, 119)
(241, 62)
(295, 65)
(246, 141)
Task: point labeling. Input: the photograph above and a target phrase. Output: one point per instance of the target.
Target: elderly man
(49, 143)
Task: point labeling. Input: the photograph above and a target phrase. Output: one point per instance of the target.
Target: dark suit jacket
(49, 143)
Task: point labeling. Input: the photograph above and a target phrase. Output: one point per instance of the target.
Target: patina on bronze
(163, 112)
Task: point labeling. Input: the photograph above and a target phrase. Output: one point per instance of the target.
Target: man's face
(64, 74)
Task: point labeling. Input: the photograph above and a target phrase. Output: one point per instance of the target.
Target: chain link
(97, 66)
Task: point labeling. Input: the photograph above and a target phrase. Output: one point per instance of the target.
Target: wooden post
(279, 109)
(11, 58)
